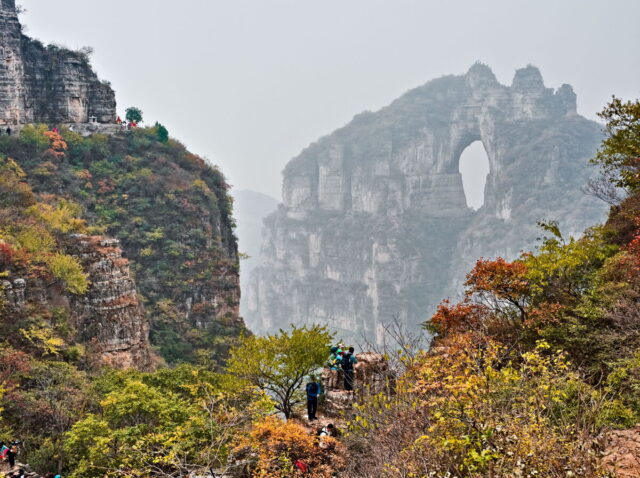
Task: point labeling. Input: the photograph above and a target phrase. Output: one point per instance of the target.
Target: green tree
(174, 422)
(278, 364)
(162, 132)
(67, 269)
(619, 154)
(52, 396)
(133, 114)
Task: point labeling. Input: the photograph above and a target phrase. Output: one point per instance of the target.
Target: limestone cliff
(108, 319)
(41, 84)
(375, 224)
(250, 208)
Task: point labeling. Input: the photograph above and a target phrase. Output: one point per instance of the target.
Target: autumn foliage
(57, 145)
(279, 445)
(534, 364)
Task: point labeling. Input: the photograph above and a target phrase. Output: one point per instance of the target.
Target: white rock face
(41, 84)
(375, 224)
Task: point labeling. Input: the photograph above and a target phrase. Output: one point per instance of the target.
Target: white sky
(249, 83)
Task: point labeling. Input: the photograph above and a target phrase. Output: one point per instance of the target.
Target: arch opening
(474, 168)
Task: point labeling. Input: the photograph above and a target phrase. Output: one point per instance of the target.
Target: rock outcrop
(50, 84)
(108, 319)
(375, 224)
(622, 453)
(371, 376)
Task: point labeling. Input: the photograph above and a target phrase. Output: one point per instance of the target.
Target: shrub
(67, 268)
(280, 444)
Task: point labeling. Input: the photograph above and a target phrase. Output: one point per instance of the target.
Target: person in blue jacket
(313, 392)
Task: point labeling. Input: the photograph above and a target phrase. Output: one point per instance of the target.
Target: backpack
(346, 362)
(312, 389)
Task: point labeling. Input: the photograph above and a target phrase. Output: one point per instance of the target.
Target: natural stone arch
(474, 167)
(374, 222)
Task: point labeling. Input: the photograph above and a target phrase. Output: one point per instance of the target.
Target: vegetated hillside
(173, 215)
(46, 347)
(527, 375)
(537, 362)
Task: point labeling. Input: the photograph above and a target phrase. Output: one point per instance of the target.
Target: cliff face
(41, 84)
(108, 319)
(375, 224)
(250, 209)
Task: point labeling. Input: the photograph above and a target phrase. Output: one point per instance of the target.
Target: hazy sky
(249, 83)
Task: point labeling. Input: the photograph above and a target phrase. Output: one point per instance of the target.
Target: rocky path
(622, 452)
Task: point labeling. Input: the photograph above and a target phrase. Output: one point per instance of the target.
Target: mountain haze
(374, 223)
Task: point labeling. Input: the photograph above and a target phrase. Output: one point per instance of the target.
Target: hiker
(9, 131)
(11, 454)
(333, 364)
(332, 361)
(348, 361)
(313, 392)
(3, 451)
(55, 130)
(328, 431)
(118, 120)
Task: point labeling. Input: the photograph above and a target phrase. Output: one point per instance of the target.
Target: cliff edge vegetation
(173, 215)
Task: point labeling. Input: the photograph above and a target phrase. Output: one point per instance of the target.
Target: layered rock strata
(49, 84)
(374, 223)
(109, 317)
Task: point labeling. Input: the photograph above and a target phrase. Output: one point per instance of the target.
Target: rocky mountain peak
(374, 222)
(480, 76)
(528, 78)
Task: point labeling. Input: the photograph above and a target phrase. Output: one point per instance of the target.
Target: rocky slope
(374, 223)
(109, 316)
(173, 215)
(46, 84)
(107, 319)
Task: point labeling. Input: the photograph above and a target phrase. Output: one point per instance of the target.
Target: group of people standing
(8, 453)
(125, 125)
(341, 360)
